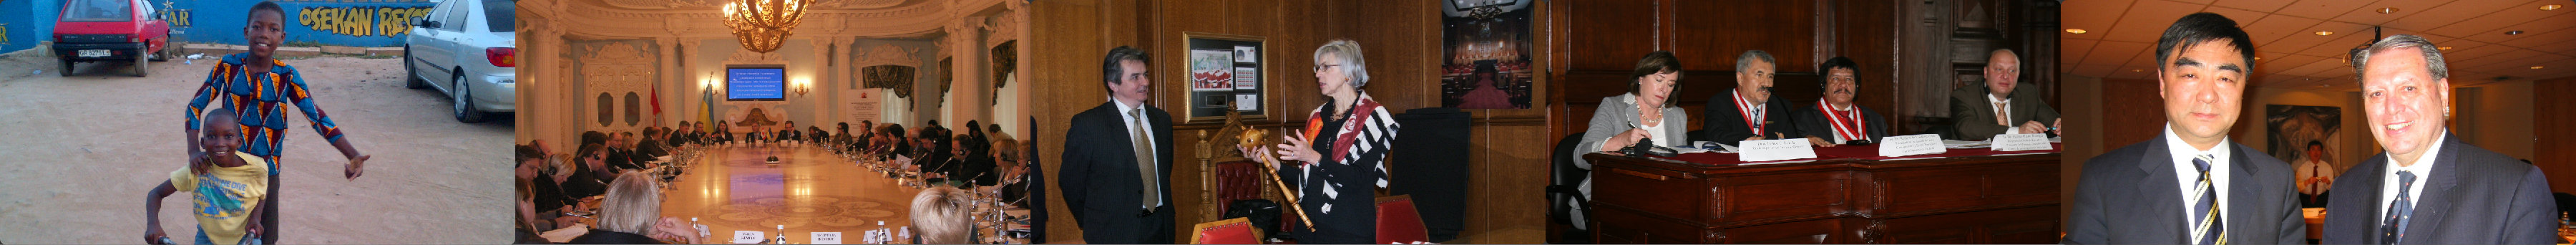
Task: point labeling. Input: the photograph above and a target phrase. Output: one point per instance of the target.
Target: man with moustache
(1835, 120)
(2193, 185)
(2000, 107)
(1747, 113)
(2429, 188)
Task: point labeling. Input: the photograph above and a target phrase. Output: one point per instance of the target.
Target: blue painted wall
(25, 23)
(362, 23)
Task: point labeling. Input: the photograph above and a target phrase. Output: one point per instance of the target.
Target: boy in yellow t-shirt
(228, 187)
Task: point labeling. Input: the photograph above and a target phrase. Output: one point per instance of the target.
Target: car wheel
(67, 68)
(411, 76)
(142, 62)
(464, 106)
(167, 45)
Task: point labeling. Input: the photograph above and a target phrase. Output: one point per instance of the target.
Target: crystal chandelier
(762, 24)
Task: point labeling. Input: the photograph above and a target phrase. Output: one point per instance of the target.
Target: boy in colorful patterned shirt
(227, 188)
(257, 89)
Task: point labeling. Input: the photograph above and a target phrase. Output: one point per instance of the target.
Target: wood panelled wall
(1401, 40)
(2140, 117)
(2555, 148)
(1904, 48)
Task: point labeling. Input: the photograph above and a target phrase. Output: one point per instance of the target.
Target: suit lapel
(2246, 197)
(2367, 191)
(2434, 203)
(1127, 154)
(2162, 200)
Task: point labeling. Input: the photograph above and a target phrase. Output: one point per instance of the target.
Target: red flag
(657, 102)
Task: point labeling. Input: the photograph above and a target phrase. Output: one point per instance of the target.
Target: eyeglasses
(1322, 68)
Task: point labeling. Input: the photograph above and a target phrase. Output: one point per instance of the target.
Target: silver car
(468, 49)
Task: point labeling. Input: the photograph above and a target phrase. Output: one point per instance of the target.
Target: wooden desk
(1842, 197)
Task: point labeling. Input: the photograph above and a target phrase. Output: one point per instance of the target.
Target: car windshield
(97, 11)
(502, 14)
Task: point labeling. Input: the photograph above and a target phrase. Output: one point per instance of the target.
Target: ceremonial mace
(1260, 139)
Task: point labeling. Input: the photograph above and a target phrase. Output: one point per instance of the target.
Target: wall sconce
(802, 86)
(708, 83)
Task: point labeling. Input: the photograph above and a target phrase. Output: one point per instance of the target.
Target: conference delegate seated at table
(584, 180)
(1973, 109)
(941, 216)
(631, 214)
(1748, 112)
(1645, 112)
(1836, 119)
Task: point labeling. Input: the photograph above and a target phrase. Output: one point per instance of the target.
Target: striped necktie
(2206, 229)
(2398, 210)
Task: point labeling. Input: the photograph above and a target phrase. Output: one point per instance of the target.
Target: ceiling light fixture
(2513, 33)
(2322, 33)
(2536, 67)
(2137, 70)
(2550, 7)
(2075, 31)
(2387, 10)
(761, 25)
(2443, 48)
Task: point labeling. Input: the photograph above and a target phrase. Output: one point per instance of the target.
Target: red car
(104, 30)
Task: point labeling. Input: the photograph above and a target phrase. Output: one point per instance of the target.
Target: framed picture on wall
(1224, 74)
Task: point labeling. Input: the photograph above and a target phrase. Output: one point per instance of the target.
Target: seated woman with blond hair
(632, 214)
(939, 215)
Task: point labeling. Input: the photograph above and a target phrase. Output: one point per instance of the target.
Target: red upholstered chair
(1228, 231)
(1238, 180)
(1398, 223)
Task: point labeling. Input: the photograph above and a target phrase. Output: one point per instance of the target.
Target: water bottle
(782, 235)
(702, 228)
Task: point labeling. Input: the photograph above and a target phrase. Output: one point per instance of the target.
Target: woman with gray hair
(1339, 153)
(633, 208)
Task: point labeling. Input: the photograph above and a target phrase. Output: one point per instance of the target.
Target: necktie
(1999, 115)
(1145, 159)
(2206, 229)
(2398, 210)
(1759, 112)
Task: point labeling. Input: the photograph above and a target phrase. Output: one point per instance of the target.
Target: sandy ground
(78, 152)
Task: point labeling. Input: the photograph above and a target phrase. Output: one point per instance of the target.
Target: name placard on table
(1775, 150)
(1920, 144)
(2020, 142)
(826, 238)
(746, 237)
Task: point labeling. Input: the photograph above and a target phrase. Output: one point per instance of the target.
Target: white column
(670, 79)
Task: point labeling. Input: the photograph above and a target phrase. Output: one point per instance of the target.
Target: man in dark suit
(621, 152)
(1835, 119)
(2192, 185)
(1973, 108)
(790, 133)
(1748, 113)
(1119, 187)
(2430, 188)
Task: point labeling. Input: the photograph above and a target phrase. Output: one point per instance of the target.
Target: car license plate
(93, 53)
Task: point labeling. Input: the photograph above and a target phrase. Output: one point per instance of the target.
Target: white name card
(746, 237)
(2021, 142)
(826, 238)
(1775, 150)
(1897, 146)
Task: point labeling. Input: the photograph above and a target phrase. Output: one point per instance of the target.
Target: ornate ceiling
(821, 5)
(704, 18)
